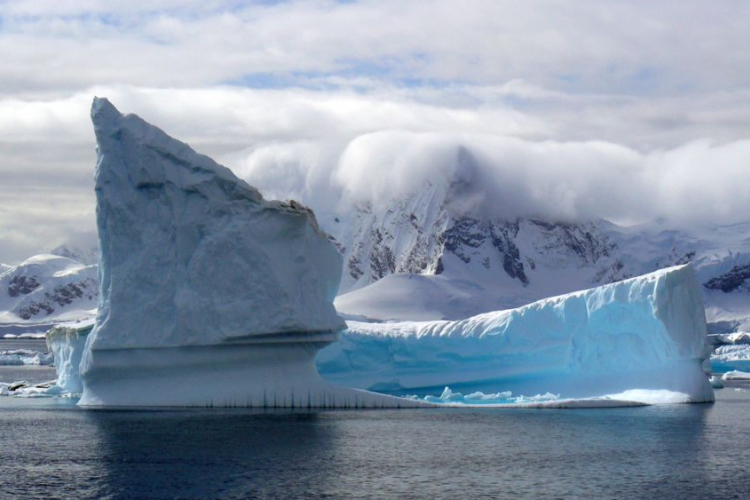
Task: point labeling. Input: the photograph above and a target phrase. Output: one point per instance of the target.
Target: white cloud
(619, 109)
(612, 47)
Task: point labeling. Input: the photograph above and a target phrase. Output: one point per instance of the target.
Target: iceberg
(642, 340)
(731, 352)
(731, 357)
(210, 295)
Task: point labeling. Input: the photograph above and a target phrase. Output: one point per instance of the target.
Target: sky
(628, 110)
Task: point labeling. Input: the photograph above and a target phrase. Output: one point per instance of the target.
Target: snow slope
(210, 294)
(46, 289)
(642, 334)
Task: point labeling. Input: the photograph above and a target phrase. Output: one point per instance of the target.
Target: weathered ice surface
(645, 337)
(66, 342)
(210, 295)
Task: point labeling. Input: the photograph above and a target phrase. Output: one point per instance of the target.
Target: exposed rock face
(22, 285)
(477, 260)
(728, 282)
(425, 234)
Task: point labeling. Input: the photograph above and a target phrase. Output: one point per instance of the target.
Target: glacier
(210, 295)
(643, 340)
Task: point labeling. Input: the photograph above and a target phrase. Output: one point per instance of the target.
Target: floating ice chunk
(736, 375)
(47, 390)
(729, 338)
(23, 389)
(652, 397)
(731, 357)
(716, 382)
(19, 357)
(480, 396)
(646, 333)
(549, 400)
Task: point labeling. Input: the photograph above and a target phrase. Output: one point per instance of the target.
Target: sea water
(51, 449)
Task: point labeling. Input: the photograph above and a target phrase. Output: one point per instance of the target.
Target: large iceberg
(209, 294)
(642, 339)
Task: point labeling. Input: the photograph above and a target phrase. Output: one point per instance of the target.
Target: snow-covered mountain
(435, 254)
(46, 289)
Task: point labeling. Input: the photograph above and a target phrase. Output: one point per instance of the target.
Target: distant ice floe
(11, 336)
(736, 375)
(716, 382)
(25, 389)
(480, 398)
(731, 357)
(20, 357)
(505, 399)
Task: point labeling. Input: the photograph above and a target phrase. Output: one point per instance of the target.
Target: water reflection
(680, 451)
(210, 454)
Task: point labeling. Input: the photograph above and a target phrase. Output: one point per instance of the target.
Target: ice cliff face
(45, 289)
(646, 333)
(210, 294)
(66, 342)
(193, 255)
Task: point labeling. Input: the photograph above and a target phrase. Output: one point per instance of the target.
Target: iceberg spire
(209, 293)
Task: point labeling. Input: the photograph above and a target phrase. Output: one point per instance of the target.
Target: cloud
(627, 110)
(617, 47)
(700, 182)
(329, 148)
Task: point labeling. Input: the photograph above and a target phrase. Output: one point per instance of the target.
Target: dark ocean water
(33, 374)
(51, 449)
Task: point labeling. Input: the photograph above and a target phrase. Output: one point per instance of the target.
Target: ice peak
(229, 263)
(118, 134)
(103, 111)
